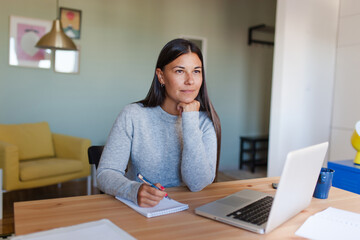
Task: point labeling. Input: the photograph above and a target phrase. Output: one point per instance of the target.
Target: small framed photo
(71, 22)
(24, 34)
(67, 61)
(201, 42)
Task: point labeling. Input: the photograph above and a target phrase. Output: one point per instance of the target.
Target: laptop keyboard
(256, 213)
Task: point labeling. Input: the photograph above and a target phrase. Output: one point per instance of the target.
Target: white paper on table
(101, 229)
(331, 224)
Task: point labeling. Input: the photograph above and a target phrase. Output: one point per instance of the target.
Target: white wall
(346, 109)
(303, 77)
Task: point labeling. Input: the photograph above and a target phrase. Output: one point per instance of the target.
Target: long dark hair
(156, 94)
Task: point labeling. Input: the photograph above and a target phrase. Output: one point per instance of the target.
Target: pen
(142, 178)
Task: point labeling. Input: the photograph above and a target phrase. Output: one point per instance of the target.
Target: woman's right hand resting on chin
(149, 196)
(188, 107)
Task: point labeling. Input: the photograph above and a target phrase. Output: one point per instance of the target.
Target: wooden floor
(67, 189)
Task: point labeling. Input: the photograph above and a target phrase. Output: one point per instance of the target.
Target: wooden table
(33, 216)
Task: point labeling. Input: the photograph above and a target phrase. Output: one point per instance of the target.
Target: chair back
(94, 153)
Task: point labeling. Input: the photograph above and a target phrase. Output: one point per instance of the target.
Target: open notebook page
(166, 206)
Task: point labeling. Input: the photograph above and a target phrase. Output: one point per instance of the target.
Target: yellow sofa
(32, 156)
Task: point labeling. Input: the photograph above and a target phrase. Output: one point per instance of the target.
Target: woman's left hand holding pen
(149, 196)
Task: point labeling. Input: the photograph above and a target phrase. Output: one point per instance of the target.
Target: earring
(161, 84)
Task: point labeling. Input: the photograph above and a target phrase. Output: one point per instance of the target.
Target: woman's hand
(194, 106)
(149, 196)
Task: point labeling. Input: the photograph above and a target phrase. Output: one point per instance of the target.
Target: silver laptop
(260, 212)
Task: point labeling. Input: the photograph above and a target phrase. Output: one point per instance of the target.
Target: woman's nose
(189, 79)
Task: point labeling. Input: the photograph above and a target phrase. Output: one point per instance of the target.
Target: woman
(172, 137)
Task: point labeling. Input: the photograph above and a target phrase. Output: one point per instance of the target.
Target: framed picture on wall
(67, 61)
(24, 34)
(71, 22)
(201, 42)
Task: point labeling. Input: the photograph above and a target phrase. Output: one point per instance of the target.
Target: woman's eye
(179, 71)
(197, 71)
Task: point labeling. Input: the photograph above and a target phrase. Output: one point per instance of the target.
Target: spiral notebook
(165, 206)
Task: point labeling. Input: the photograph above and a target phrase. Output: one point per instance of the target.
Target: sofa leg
(89, 185)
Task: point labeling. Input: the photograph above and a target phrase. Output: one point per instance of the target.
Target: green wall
(120, 42)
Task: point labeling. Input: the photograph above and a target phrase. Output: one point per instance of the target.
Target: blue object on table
(347, 175)
(324, 183)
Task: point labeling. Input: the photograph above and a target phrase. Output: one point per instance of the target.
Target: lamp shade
(355, 141)
(56, 38)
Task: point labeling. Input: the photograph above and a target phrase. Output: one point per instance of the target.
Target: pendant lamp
(56, 38)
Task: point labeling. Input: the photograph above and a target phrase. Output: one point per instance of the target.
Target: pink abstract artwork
(27, 37)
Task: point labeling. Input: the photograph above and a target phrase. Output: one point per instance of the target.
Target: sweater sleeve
(198, 165)
(114, 160)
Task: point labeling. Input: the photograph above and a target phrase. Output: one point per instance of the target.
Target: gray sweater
(166, 149)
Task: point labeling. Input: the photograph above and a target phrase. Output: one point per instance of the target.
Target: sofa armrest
(71, 147)
(9, 162)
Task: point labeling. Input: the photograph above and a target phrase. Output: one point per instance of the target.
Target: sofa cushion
(34, 140)
(48, 167)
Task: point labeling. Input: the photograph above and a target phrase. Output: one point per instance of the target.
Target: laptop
(260, 212)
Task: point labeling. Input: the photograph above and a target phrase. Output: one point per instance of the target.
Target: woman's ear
(159, 75)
